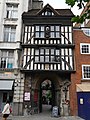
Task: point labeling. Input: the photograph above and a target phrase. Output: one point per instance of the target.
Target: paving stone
(43, 117)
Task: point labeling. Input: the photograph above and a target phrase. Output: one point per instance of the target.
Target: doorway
(84, 105)
(47, 96)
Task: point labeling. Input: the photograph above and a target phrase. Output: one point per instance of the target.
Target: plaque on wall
(27, 96)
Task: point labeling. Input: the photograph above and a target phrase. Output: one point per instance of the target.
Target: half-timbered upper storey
(47, 42)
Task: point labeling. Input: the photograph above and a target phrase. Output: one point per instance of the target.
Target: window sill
(11, 19)
(84, 80)
(6, 69)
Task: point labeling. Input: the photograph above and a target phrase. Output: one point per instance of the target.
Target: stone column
(18, 93)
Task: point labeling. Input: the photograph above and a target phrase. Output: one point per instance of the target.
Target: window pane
(86, 31)
(6, 37)
(12, 11)
(57, 28)
(9, 33)
(46, 58)
(57, 34)
(42, 28)
(57, 52)
(41, 58)
(46, 13)
(10, 53)
(3, 63)
(36, 58)
(37, 28)
(7, 59)
(52, 28)
(52, 51)
(41, 51)
(52, 35)
(42, 34)
(14, 14)
(10, 63)
(6, 33)
(52, 59)
(86, 71)
(4, 53)
(37, 34)
(46, 51)
(85, 48)
(12, 37)
(36, 52)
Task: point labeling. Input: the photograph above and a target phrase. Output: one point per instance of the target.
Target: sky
(60, 4)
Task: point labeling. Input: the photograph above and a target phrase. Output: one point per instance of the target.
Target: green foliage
(80, 5)
(71, 2)
(49, 95)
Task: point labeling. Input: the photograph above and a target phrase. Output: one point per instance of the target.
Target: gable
(48, 11)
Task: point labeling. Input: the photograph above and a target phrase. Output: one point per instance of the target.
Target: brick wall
(76, 78)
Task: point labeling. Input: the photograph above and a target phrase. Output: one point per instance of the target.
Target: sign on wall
(27, 96)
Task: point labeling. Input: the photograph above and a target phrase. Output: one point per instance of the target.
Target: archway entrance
(48, 89)
(47, 96)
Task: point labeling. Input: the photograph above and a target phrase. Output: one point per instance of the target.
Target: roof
(58, 12)
(64, 12)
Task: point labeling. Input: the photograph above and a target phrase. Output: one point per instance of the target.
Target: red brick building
(80, 80)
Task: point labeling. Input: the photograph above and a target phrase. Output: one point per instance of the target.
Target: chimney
(35, 4)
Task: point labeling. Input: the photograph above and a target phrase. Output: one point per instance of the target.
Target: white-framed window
(7, 59)
(48, 13)
(12, 11)
(47, 31)
(55, 31)
(9, 33)
(39, 32)
(84, 48)
(86, 31)
(86, 72)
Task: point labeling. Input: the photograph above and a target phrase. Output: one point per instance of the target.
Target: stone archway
(59, 88)
(55, 88)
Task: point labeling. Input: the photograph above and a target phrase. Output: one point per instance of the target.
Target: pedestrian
(6, 110)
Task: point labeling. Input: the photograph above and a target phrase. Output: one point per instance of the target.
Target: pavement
(45, 115)
(42, 116)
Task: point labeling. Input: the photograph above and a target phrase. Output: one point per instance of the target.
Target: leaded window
(86, 31)
(85, 48)
(55, 32)
(52, 31)
(86, 71)
(52, 55)
(48, 12)
(39, 32)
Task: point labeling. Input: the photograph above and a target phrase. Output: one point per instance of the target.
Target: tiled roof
(62, 12)
(65, 12)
